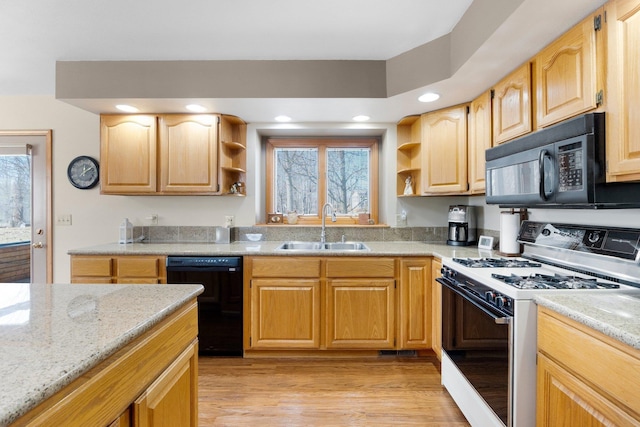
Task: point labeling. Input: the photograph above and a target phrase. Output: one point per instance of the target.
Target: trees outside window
(307, 173)
(15, 198)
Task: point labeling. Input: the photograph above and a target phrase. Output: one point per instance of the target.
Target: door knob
(38, 245)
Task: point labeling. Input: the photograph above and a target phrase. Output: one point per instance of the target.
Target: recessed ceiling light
(127, 108)
(282, 119)
(196, 108)
(361, 118)
(429, 97)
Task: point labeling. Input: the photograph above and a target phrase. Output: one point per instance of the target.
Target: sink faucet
(323, 234)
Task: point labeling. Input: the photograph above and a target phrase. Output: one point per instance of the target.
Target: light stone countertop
(614, 314)
(378, 248)
(52, 334)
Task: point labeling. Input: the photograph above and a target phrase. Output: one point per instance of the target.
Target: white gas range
(489, 317)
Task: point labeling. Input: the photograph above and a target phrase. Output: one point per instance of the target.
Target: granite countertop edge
(587, 310)
(243, 248)
(40, 393)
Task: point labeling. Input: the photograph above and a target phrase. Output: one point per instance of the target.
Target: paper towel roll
(509, 228)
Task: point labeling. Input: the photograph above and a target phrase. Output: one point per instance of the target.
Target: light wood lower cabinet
(172, 400)
(584, 377)
(152, 381)
(285, 313)
(415, 303)
(337, 303)
(148, 269)
(436, 307)
(360, 313)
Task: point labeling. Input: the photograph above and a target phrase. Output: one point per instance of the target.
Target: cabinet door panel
(566, 75)
(479, 141)
(91, 266)
(285, 267)
(189, 153)
(512, 105)
(172, 400)
(436, 314)
(563, 399)
(361, 267)
(128, 154)
(623, 105)
(133, 266)
(360, 314)
(285, 313)
(444, 154)
(415, 304)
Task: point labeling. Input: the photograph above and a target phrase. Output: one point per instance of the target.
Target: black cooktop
(495, 262)
(557, 281)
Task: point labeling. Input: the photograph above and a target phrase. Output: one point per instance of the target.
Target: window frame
(322, 144)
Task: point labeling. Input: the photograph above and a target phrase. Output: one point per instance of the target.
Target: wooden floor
(384, 391)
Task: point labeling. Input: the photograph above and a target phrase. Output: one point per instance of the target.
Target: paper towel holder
(523, 215)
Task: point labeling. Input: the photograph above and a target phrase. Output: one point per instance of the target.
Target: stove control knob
(490, 296)
(502, 301)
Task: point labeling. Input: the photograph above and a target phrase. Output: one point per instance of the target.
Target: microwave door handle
(543, 154)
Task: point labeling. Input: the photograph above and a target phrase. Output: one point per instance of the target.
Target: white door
(25, 207)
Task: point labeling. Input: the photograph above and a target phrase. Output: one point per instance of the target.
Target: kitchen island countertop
(52, 334)
(614, 314)
(378, 248)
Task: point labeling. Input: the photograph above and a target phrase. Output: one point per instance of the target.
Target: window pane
(348, 180)
(15, 199)
(296, 180)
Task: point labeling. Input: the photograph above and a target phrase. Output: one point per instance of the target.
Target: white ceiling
(34, 34)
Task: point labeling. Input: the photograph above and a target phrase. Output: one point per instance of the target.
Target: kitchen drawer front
(600, 360)
(88, 266)
(285, 267)
(361, 267)
(132, 266)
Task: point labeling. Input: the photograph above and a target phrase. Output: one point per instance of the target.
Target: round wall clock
(83, 172)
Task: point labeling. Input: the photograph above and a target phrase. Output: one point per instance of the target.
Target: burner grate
(495, 262)
(557, 281)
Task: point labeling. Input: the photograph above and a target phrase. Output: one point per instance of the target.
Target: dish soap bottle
(126, 232)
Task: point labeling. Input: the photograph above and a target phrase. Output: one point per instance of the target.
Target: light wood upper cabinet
(584, 377)
(566, 73)
(479, 141)
(233, 152)
(512, 105)
(415, 303)
(444, 152)
(172, 154)
(409, 131)
(623, 103)
(128, 145)
(188, 153)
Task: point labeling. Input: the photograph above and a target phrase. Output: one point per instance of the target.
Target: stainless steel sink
(317, 246)
(346, 246)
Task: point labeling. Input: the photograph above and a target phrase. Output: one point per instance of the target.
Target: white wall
(95, 218)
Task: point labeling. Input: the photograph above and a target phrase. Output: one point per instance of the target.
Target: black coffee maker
(462, 226)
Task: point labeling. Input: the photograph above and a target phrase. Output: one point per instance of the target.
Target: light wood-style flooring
(383, 391)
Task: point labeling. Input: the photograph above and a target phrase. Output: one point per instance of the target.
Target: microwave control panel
(570, 167)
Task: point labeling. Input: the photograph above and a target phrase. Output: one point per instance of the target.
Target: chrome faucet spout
(323, 233)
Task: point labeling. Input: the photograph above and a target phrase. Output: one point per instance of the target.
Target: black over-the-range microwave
(562, 166)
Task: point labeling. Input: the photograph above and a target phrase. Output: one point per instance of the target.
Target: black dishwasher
(219, 306)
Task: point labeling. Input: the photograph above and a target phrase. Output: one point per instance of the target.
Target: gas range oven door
(477, 347)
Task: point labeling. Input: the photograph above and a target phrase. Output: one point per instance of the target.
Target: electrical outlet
(229, 221)
(153, 219)
(63, 219)
(401, 220)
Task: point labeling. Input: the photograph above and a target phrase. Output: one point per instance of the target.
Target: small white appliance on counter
(489, 346)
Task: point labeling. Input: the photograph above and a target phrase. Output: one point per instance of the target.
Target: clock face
(83, 172)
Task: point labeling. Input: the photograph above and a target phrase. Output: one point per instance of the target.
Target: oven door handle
(500, 320)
